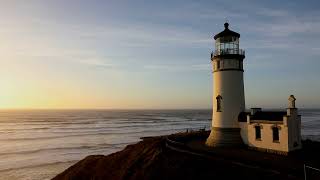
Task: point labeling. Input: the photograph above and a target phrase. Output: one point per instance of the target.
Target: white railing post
(304, 170)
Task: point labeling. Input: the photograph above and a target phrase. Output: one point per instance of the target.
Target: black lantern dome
(226, 32)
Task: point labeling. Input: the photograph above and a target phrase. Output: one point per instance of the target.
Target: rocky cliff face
(151, 159)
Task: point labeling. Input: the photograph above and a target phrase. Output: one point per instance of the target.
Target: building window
(258, 132)
(275, 134)
(219, 103)
(218, 64)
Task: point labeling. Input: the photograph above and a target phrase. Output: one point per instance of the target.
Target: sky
(153, 54)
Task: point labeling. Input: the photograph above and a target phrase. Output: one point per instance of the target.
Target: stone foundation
(224, 137)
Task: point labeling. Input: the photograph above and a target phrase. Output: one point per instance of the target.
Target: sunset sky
(153, 54)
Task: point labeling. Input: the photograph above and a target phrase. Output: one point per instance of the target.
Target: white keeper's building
(271, 131)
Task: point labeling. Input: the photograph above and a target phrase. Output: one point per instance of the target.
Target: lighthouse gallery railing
(229, 51)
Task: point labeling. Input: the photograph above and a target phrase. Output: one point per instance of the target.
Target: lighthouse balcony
(229, 52)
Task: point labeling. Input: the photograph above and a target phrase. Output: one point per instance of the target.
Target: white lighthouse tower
(228, 89)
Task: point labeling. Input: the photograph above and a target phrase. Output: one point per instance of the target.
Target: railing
(314, 175)
(229, 51)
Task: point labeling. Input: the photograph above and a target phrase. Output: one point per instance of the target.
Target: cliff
(152, 159)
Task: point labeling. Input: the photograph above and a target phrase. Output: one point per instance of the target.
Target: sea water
(39, 144)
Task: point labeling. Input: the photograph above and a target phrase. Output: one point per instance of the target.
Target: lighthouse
(228, 89)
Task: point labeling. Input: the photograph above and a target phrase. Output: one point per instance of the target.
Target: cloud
(195, 11)
(271, 12)
(101, 63)
(287, 28)
(179, 67)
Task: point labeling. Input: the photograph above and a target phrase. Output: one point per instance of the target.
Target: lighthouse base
(224, 137)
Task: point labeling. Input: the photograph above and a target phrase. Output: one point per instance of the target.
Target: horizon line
(132, 109)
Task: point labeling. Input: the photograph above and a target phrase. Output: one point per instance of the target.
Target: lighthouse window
(219, 99)
(275, 134)
(258, 132)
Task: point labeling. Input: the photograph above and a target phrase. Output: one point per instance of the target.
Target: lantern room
(227, 42)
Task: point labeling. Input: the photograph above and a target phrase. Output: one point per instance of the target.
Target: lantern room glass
(227, 45)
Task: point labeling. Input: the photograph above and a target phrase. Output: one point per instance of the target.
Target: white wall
(294, 125)
(229, 85)
(244, 132)
(266, 141)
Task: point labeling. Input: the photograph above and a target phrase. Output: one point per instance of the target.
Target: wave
(87, 147)
(38, 165)
(66, 135)
(117, 124)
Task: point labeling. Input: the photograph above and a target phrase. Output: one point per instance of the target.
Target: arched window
(219, 103)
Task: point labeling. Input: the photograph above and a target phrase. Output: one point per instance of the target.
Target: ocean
(39, 144)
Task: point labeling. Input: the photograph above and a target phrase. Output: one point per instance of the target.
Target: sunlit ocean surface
(38, 144)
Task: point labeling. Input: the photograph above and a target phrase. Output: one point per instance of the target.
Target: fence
(314, 174)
